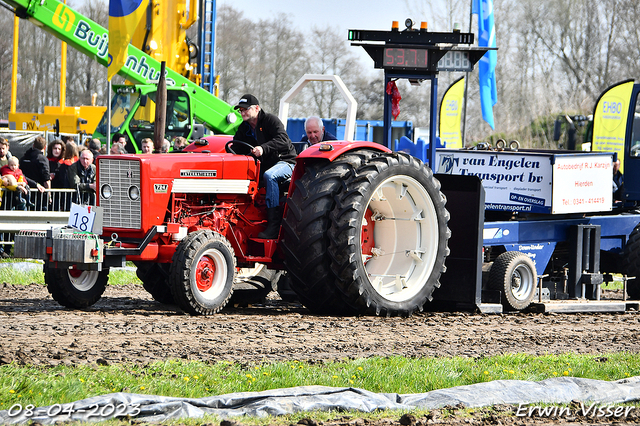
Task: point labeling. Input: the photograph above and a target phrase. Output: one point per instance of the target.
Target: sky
(342, 14)
(345, 14)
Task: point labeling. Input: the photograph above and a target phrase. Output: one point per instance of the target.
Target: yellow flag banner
(610, 119)
(124, 17)
(451, 115)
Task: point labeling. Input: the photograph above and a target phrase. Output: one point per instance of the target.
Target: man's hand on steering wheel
(257, 151)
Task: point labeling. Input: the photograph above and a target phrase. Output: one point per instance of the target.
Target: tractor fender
(339, 148)
(313, 153)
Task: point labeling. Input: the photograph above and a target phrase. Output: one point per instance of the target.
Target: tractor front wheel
(202, 272)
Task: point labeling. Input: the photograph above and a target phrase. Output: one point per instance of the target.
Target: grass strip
(42, 386)
(25, 276)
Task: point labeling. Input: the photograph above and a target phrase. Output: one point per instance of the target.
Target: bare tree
(38, 69)
(6, 49)
(283, 59)
(85, 76)
(626, 53)
(234, 52)
(329, 53)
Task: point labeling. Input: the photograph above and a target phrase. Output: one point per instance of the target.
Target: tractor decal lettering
(160, 188)
(199, 173)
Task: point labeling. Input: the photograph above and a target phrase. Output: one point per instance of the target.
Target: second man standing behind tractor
(272, 146)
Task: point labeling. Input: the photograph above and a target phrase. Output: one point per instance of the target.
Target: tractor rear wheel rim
(405, 234)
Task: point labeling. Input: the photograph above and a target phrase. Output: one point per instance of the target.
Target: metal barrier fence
(39, 211)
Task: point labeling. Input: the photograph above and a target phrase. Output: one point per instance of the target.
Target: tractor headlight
(106, 191)
(134, 193)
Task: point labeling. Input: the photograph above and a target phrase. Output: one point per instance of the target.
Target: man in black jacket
(275, 151)
(35, 166)
(81, 176)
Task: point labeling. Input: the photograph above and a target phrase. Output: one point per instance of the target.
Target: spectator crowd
(62, 164)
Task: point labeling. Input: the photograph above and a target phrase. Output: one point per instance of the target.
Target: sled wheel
(202, 272)
(389, 236)
(305, 240)
(514, 274)
(74, 288)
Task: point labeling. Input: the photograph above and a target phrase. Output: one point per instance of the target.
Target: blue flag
(487, 67)
(124, 17)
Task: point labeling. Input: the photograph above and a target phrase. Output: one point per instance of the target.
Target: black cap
(246, 101)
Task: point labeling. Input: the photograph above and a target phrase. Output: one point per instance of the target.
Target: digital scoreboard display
(455, 61)
(405, 57)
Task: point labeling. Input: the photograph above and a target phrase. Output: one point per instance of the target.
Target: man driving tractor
(272, 146)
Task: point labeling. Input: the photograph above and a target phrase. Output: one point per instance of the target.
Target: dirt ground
(126, 325)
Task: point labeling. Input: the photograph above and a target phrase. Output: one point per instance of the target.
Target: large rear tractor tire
(154, 278)
(514, 275)
(74, 288)
(305, 240)
(202, 272)
(389, 236)
(631, 263)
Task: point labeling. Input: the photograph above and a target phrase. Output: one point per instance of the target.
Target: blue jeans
(277, 174)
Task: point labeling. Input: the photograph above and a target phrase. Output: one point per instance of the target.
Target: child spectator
(4, 186)
(14, 180)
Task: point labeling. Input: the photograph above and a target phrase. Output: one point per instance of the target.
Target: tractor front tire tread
(180, 272)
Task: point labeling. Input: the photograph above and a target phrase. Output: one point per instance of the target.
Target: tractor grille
(123, 176)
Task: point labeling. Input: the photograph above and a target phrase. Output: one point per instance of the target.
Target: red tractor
(364, 229)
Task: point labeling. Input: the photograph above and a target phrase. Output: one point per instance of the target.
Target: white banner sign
(512, 181)
(535, 182)
(582, 184)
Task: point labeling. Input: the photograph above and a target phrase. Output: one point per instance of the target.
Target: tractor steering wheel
(229, 149)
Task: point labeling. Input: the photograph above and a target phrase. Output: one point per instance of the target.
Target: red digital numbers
(405, 57)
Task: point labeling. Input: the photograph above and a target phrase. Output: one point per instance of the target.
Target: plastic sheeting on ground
(309, 398)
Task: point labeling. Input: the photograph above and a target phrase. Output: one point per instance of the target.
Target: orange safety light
(395, 26)
(423, 26)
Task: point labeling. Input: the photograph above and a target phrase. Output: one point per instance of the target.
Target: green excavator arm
(92, 39)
